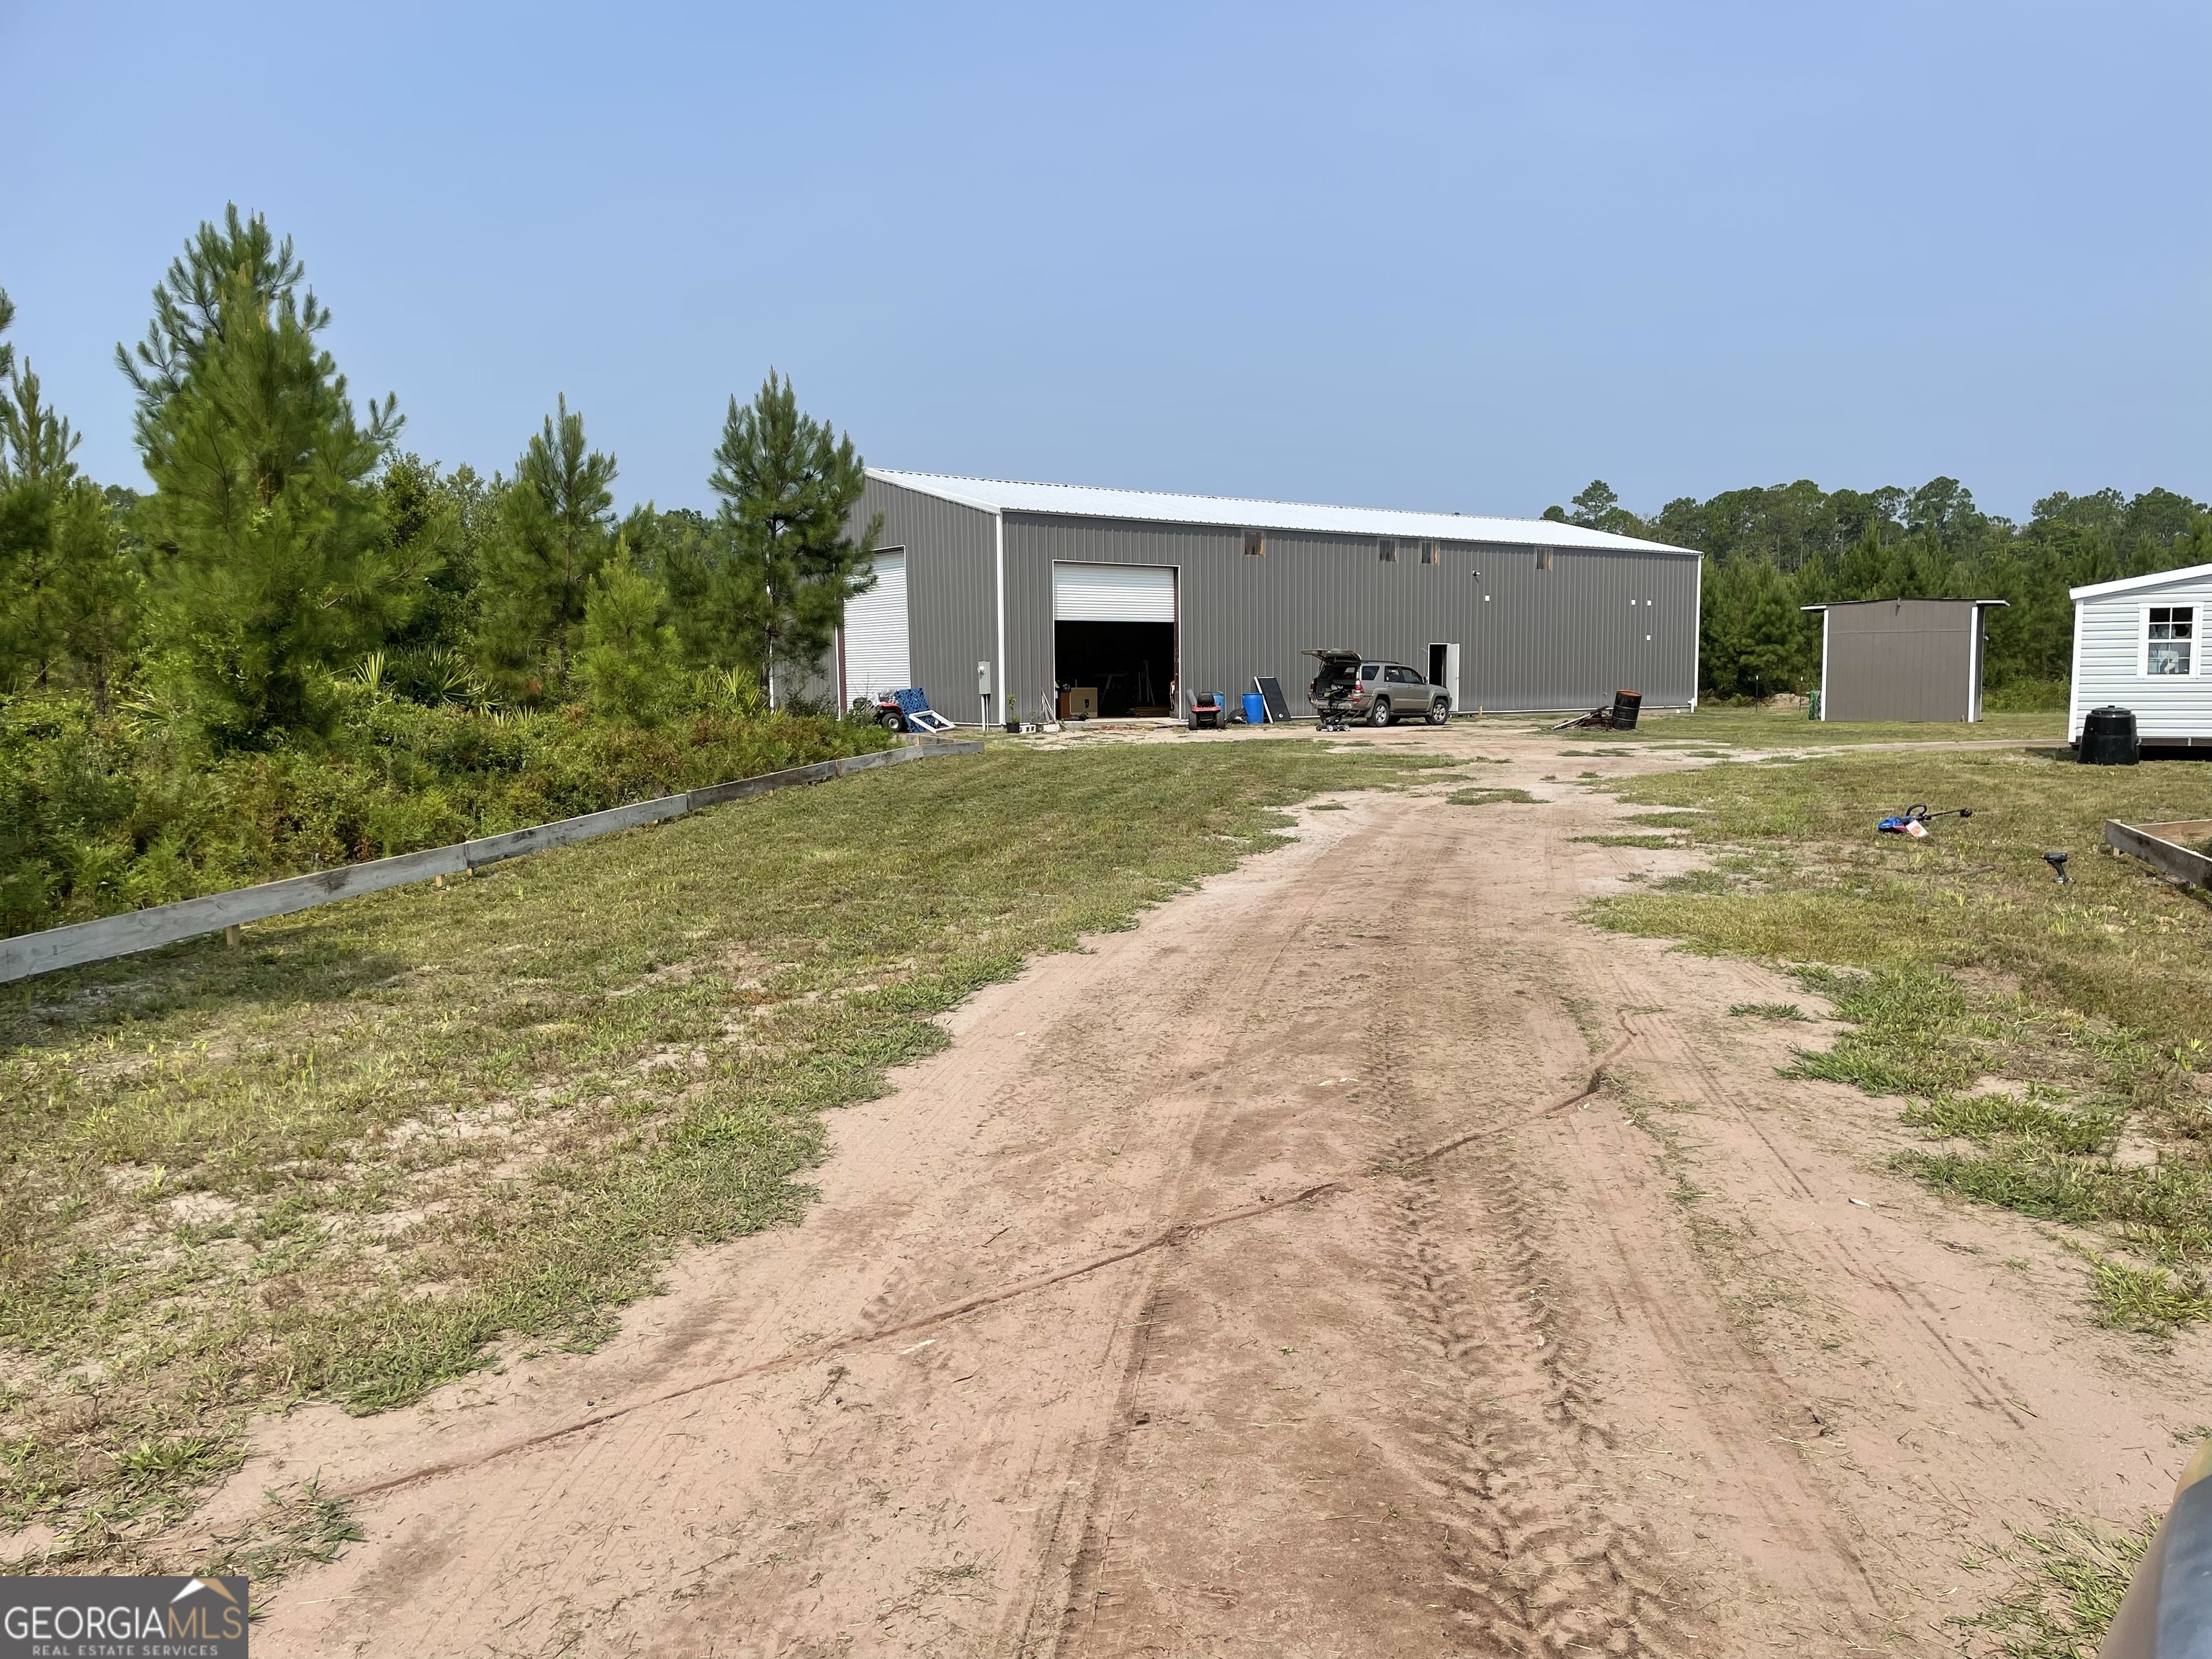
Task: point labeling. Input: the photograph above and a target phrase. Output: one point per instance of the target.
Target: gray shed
(1902, 659)
(1148, 598)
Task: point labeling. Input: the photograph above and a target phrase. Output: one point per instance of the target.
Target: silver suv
(1382, 692)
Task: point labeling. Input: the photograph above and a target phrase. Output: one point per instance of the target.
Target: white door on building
(1113, 592)
(876, 658)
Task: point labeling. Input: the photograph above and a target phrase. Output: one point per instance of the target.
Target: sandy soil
(1279, 1277)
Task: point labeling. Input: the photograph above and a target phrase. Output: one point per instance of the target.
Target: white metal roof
(1084, 501)
(2130, 583)
(1846, 604)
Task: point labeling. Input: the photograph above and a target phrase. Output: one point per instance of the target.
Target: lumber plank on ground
(2166, 847)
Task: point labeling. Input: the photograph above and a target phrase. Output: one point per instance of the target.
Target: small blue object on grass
(1255, 709)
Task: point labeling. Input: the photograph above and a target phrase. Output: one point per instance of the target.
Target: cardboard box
(1079, 702)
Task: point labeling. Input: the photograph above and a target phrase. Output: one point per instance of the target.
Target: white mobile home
(2139, 644)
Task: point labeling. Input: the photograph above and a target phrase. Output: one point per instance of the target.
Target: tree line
(1772, 549)
(288, 539)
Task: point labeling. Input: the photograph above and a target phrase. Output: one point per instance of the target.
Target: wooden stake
(232, 934)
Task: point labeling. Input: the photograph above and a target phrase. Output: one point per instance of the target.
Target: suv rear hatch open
(1339, 675)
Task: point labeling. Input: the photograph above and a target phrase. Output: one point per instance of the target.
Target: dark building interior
(1131, 664)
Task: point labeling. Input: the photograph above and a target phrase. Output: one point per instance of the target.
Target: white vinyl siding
(875, 653)
(2112, 658)
(1113, 593)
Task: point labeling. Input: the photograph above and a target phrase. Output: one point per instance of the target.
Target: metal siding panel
(1561, 639)
(1898, 659)
(950, 604)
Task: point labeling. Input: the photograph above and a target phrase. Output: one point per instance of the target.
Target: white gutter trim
(999, 562)
(2074, 680)
(1974, 669)
(2135, 584)
(1697, 634)
(1825, 614)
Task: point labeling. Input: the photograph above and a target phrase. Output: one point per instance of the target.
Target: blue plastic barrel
(1255, 709)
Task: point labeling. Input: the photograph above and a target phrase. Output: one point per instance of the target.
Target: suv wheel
(1439, 712)
(1380, 713)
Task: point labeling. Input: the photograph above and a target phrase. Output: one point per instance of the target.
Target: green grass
(1650, 843)
(1492, 798)
(2067, 1582)
(1768, 1011)
(343, 1161)
(1756, 728)
(1958, 958)
(2147, 1299)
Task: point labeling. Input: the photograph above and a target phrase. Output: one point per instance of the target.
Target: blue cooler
(1255, 709)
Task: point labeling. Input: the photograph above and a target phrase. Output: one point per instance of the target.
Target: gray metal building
(1149, 597)
(1902, 659)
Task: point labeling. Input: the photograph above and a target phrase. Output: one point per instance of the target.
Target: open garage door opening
(1113, 636)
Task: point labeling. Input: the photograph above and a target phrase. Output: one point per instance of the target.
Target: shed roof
(2134, 584)
(1086, 501)
(1846, 604)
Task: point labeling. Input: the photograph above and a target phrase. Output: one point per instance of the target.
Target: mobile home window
(2170, 639)
(1387, 550)
(1255, 544)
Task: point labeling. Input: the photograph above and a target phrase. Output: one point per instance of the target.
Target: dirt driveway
(1281, 1278)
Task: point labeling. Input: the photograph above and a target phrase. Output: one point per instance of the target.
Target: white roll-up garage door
(876, 633)
(1113, 593)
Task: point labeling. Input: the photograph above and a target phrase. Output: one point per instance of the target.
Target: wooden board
(2169, 848)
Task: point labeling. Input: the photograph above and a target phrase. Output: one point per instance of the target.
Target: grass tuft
(2067, 1585)
(1492, 798)
(1768, 1011)
(2145, 1299)
(1911, 1034)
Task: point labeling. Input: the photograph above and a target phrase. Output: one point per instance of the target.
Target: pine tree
(192, 301)
(786, 565)
(628, 658)
(554, 527)
(36, 474)
(436, 520)
(102, 592)
(271, 562)
(67, 597)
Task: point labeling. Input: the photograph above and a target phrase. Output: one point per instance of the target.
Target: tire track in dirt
(1540, 1564)
(1365, 912)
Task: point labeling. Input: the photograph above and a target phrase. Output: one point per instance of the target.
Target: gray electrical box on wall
(982, 679)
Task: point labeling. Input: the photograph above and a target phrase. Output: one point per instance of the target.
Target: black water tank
(2108, 737)
(1625, 705)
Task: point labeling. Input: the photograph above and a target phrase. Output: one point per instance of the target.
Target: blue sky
(1445, 256)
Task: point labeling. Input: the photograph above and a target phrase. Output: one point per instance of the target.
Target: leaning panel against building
(1136, 600)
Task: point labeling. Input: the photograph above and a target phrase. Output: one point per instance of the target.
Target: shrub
(103, 814)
